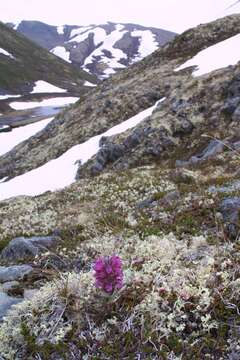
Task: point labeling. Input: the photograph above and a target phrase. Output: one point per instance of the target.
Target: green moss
(113, 221)
(44, 350)
(175, 344)
(158, 196)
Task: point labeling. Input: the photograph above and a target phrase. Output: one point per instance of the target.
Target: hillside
(23, 63)
(123, 240)
(99, 49)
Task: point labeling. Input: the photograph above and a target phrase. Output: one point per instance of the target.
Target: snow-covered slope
(99, 49)
(59, 101)
(61, 172)
(10, 139)
(6, 53)
(215, 57)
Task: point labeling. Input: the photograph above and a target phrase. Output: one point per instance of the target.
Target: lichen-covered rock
(230, 209)
(24, 248)
(15, 272)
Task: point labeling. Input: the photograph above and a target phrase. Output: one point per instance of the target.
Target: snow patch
(61, 172)
(2, 127)
(215, 57)
(60, 101)
(44, 87)
(79, 30)
(88, 83)
(3, 97)
(60, 29)
(61, 52)
(148, 43)
(6, 53)
(12, 138)
(16, 24)
(99, 35)
(108, 44)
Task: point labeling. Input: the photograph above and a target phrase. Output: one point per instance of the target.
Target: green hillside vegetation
(32, 63)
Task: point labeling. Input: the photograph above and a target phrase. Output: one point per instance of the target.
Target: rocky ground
(129, 92)
(164, 197)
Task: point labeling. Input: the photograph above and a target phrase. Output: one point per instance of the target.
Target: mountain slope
(140, 255)
(120, 97)
(99, 49)
(22, 63)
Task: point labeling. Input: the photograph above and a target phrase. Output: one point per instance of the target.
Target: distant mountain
(98, 49)
(23, 63)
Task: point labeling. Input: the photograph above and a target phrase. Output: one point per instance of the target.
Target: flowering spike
(108, 273)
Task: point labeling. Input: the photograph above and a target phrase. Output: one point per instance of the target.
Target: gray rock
(181, 163)
(236, 145)
(6, 302)
(24, 248)
(97, 168)
(9, 286)
(227, 188)
(236, 114)
(15, 272)
(171, 197)
(110, 153)
(146, 204)
(229, 209)
(230, 106)
(214, 147)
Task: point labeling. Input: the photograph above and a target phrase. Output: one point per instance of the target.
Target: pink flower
(108, 273)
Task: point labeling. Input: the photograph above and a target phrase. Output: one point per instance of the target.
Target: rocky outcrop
(193, 105)
(12, 273)
(26, 248)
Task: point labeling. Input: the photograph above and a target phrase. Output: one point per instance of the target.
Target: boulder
(15, 272)
(9, 286)
(230, 209)
(25, 248)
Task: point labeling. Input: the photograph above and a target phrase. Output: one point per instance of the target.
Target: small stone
(171, 197)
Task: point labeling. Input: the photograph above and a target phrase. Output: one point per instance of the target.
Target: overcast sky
(175, 15)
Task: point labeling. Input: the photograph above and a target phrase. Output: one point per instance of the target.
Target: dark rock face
(232, 103)
(107, 154)
(25, 248)
(230, 209)
(43, 34)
